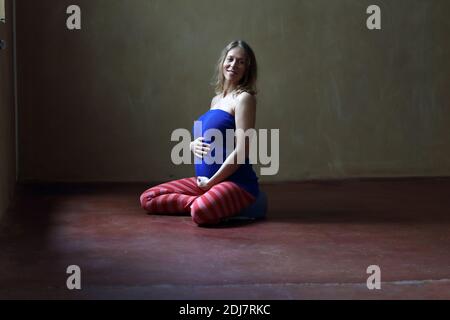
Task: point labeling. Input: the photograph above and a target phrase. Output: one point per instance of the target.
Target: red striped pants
(223, 200)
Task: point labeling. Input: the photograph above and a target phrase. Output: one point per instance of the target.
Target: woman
(219, 190)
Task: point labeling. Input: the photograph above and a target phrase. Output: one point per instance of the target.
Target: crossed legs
(223, 200)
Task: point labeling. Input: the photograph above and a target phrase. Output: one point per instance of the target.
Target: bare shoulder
(246, 98)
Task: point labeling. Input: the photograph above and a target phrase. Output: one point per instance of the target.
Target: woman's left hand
(204, 183)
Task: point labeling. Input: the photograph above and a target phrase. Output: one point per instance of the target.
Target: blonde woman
(219, 190)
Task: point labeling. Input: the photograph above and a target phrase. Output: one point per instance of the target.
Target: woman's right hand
(200, 148)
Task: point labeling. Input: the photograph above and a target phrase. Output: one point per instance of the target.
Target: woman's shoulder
(246, 97)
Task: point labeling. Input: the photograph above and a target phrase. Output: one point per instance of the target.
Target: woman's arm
(245, 117)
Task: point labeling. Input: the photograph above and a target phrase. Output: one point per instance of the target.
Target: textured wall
(7, 120)
(100, 104)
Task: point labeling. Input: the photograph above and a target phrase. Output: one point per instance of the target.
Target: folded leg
(223, 200)
(171, 197)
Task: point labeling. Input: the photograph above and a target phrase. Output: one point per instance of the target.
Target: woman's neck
(228, 88)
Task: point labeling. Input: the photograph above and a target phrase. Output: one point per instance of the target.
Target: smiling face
(234, 65)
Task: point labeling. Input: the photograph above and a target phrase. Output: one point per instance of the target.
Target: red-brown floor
(317, 243)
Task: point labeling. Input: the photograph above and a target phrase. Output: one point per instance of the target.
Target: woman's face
(234, 65)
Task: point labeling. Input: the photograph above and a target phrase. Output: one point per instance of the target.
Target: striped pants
(223, 200)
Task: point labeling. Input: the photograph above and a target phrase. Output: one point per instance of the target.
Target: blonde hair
(248, 81)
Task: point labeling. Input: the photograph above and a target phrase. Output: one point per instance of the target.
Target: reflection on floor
(317, 243)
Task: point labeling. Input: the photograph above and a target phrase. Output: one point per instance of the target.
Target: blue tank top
(221, 120)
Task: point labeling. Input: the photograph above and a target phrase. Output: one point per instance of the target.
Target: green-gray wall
(100, 104)
(7, 118)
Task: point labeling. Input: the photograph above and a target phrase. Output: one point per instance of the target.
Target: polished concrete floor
(317, 243)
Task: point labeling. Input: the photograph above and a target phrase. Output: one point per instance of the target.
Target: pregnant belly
(206, 170)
